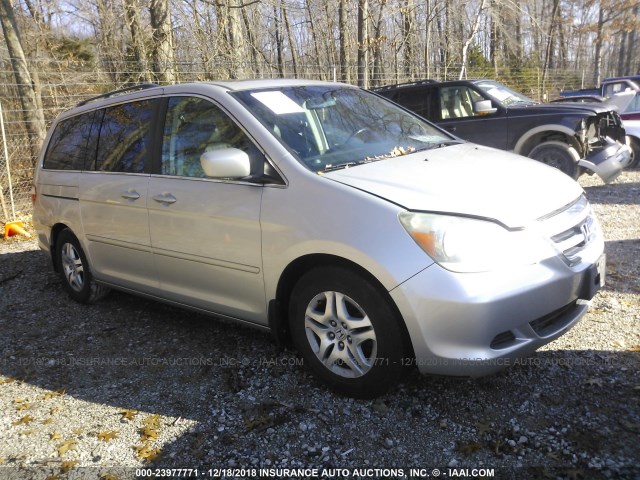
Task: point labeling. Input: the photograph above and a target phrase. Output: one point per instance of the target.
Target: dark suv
(571, 137)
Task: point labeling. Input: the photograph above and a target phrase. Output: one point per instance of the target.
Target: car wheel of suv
(558, 155)
(74, 270)
(634, 144)
(346, 332)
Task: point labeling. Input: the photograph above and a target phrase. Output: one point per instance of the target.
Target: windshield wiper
(443, 144)
(396, 152)
(340, 166)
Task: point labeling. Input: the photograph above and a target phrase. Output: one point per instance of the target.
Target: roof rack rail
(407, 84)
(142, 86)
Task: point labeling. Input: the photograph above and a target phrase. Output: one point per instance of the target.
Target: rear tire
(558, 155)
(347, 332)
(74, 270)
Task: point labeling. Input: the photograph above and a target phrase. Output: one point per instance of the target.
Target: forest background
(55, 53)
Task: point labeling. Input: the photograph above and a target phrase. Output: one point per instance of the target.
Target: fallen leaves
(68, 465)
(108, 476)
(55, 436)
(24, 420)
(148, 432)
(146, 452)
(64, 447)
(128, 414)
(50, 395)
(22, 404)
(152, 421)
(106, 436)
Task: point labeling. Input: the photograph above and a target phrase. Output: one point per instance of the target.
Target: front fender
(522, 143)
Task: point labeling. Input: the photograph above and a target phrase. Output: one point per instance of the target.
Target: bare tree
(363, 47)
(472, 34)
(28, 88)
(138, 48)
(162, 54)
(342, 32)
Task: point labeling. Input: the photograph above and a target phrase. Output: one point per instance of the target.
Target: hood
(466, 179)
(561, 108)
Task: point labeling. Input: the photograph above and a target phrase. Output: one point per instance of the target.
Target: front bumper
(607, 162)
(477, 324)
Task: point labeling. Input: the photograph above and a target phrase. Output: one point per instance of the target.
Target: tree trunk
(276, 26)
(342, 33)
(622, 52)
(314, 38)
(598, 51)
(253, 48)
(631, 42)
(292, 44)
(237, 39)
(407, 13)
(109, 47)
(548, 50)
(163, 58)
(137, 40)
(377, 49)
(474, 30)
(28, 87)
(363, 48)
(427, 39)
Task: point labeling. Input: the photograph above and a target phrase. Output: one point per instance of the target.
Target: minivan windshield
(504, 94)
(327, 127)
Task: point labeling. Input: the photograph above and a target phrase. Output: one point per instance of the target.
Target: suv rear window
(68, 144)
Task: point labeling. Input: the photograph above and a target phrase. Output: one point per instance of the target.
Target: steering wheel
(357, 134)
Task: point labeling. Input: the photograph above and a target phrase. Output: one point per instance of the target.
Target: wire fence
(64, 83)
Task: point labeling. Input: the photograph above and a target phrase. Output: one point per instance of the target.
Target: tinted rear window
(68, 144)
(124, 144)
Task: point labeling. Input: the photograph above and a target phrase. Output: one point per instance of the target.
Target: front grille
(571, 229)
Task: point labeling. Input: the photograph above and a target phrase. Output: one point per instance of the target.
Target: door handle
(452, 128)
(131, 195)
(166, 198)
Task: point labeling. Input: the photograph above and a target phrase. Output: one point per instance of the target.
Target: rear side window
(68, 145)
(124, 143)
(414, 100)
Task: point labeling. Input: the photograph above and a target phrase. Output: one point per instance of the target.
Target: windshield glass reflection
(332, 126)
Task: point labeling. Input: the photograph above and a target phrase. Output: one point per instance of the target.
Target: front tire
(347, 333)
(558, 155)
(634, 144)
(74, 270)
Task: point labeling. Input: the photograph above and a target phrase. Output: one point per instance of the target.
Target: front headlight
(462, 244)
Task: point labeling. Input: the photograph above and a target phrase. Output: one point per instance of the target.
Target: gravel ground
(98, 391)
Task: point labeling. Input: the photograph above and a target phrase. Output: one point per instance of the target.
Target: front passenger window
(194, 126)
(457, 102)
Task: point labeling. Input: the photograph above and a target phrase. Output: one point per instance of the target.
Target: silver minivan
(372, 240)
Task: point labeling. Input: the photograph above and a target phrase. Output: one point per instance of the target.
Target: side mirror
(225, 163)
(484, 107)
